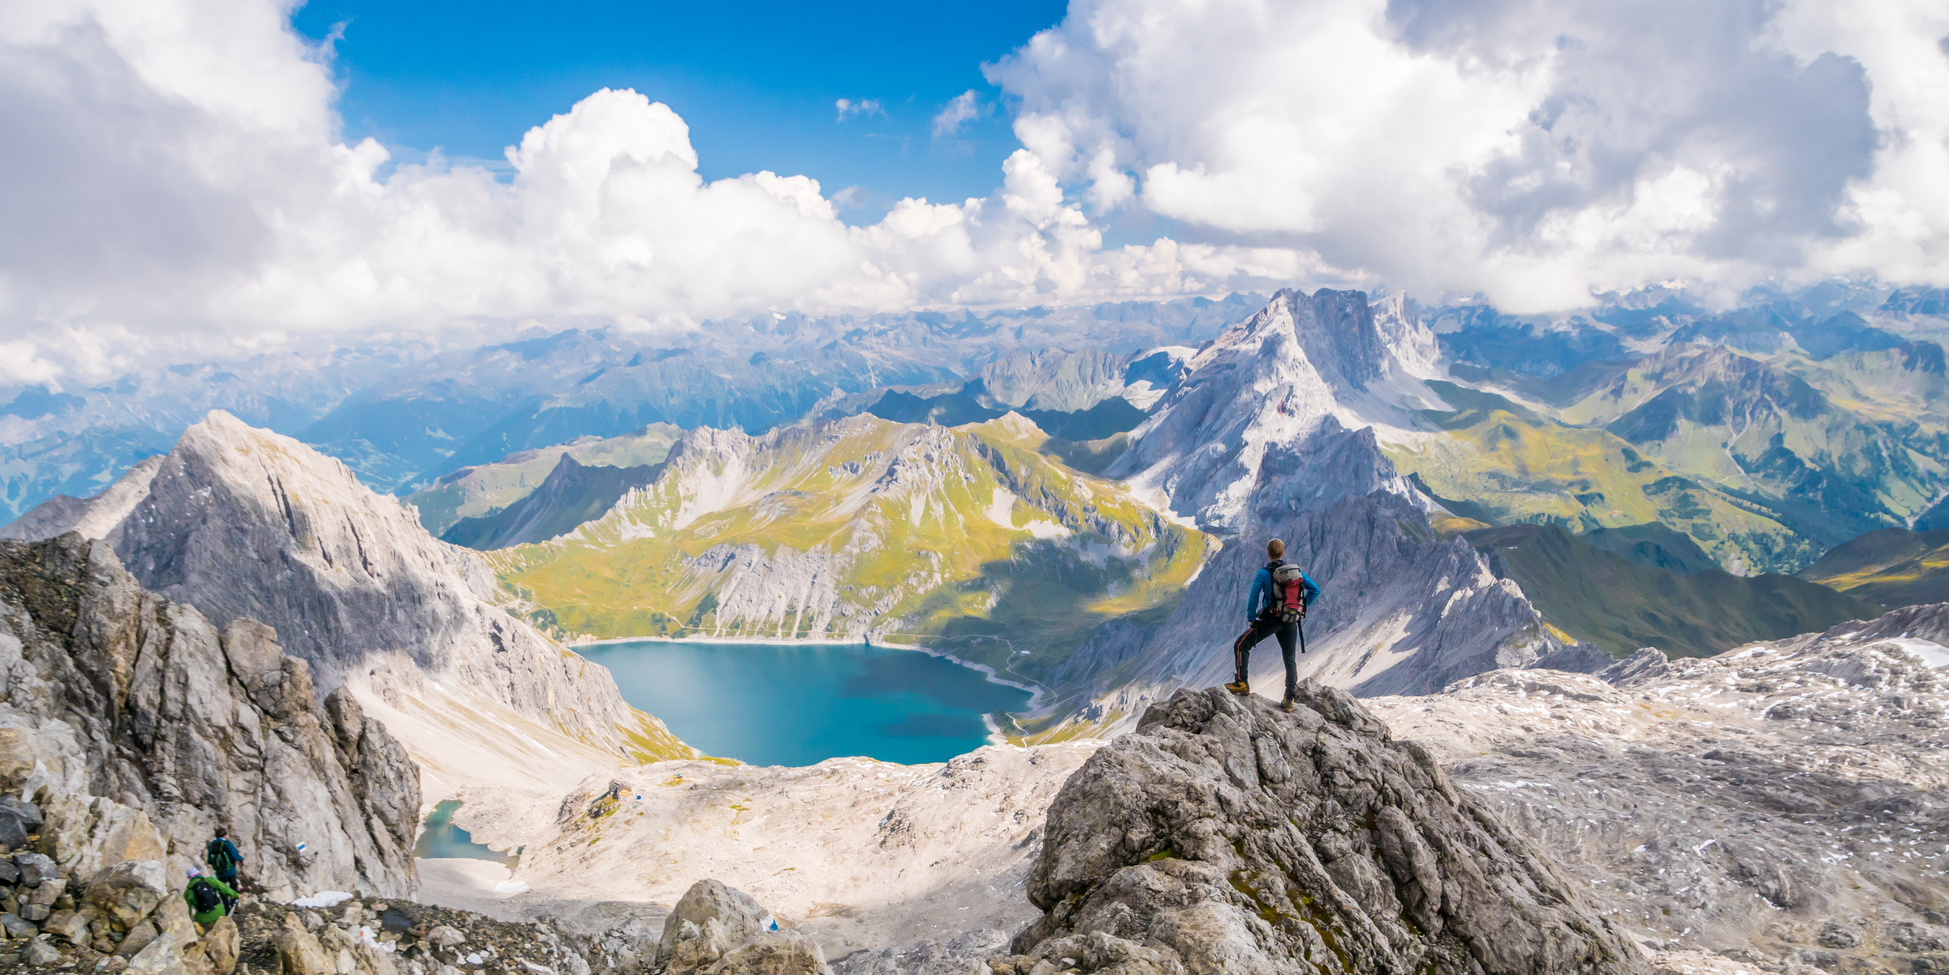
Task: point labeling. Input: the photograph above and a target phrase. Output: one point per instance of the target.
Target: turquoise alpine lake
(441, 839)
(800, 704)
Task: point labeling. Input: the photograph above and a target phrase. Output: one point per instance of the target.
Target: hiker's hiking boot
(1287, 704)
(1239, 687)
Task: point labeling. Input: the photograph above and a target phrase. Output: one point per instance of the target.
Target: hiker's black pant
(230, 881)
(1288, 634)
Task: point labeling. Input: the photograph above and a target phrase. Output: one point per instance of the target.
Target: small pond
(441, 839)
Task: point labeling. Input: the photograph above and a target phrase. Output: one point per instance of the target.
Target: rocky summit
(1226, 836)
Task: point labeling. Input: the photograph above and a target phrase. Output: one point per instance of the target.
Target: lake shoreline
(995, 736)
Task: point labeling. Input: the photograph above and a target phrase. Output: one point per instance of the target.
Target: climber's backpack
(206, 896)
(1288, 602)
(219, 857)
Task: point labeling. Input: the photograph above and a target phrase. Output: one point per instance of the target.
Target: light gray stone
(721, 931)
(17, 928)
(41, 954)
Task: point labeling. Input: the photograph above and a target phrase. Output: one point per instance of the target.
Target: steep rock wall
(111, 691)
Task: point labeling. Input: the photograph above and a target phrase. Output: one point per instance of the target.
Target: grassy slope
(1833, 447)
(1601, 598)
(1513, 465)
(1765, 462)
(1892, 567)
(572, 495)
(487, 489)
(907, 510)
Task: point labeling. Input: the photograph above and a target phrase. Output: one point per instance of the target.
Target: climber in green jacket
(209, 898)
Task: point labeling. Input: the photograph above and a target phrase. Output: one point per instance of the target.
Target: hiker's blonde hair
(1275, 548)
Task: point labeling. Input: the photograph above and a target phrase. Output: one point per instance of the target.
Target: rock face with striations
(125, 710)
(1224, 836)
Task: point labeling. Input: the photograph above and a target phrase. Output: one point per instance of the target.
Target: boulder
(221, 944)
(68, 927)
(17, 928)
(45, 894)
(41, 954)
(126, 893)
(163, 955)
(722, 931)
(1226, 836)
(35, 868)
(138, 939)
(92, 833)
(300, 953)
(13, 833)
(27, 813)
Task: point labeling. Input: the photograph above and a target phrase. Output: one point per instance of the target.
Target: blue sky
(756, 81)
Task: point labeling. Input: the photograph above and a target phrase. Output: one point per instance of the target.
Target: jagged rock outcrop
(143, 727)
(241, 522)
(1224, 836)
(717, 930)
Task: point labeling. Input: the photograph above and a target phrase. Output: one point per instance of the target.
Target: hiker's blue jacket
(1262, 591)
(230, 848)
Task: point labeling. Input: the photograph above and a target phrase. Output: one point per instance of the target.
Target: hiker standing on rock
(224, 859)
(1275, 606)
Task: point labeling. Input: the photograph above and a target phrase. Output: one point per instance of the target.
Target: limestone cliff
(124, 710)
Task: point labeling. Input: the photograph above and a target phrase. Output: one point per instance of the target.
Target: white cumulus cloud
(959, 110)
(1534, 149)
(858, 106)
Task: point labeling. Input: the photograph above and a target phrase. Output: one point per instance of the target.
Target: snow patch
(324, 898)
(1932, 654)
